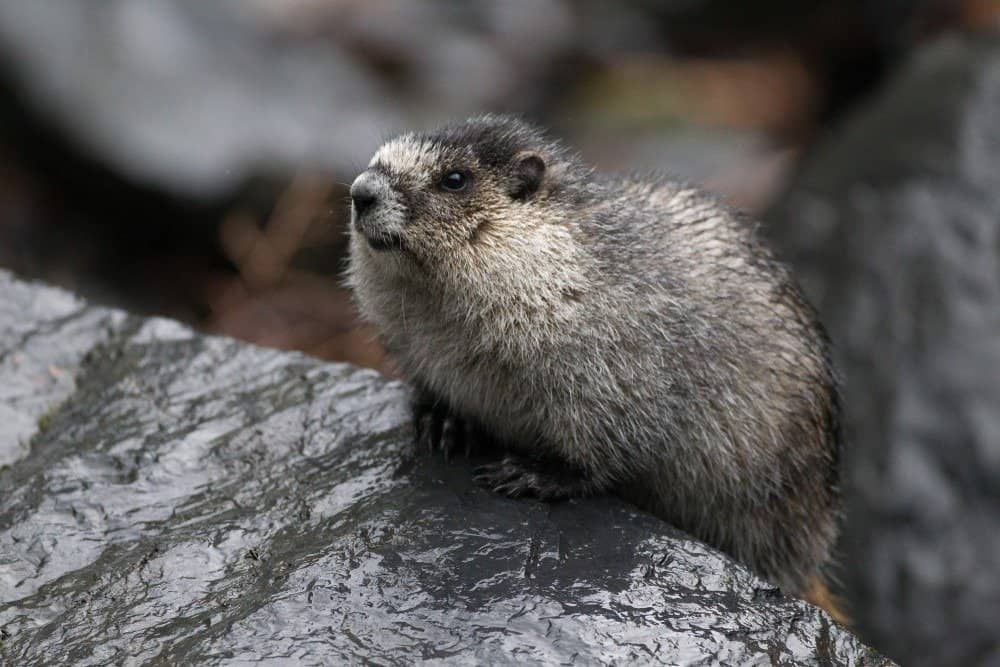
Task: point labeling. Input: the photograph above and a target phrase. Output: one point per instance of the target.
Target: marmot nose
(363, 196)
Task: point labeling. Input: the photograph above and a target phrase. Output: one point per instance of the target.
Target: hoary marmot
(627, 335)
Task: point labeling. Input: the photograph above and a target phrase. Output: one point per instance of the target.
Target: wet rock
(894, 228)
(199, 500)
(45, 335)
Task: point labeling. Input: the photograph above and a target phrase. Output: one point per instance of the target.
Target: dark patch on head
(494, 140)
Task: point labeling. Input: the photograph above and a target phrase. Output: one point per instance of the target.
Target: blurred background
(191, 159)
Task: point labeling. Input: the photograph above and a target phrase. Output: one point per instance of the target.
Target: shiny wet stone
(186, 499)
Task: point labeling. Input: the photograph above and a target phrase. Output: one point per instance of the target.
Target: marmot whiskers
(628, 335)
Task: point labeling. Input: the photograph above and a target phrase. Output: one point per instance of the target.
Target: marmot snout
(626, 335)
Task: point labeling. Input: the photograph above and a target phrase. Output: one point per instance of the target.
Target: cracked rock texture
(894, 230)
(173, 497)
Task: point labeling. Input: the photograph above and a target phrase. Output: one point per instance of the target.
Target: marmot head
(454, 194)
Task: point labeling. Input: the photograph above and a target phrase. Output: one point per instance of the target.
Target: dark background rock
(894, 229)
(199, 500)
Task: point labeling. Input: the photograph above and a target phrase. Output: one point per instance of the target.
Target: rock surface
(198, 500)
(894, 229)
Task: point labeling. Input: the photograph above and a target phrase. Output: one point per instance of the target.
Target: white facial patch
(386, 215)
(410, 157)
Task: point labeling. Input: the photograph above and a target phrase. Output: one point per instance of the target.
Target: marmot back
(612, 335)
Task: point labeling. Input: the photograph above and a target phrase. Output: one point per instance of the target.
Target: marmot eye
(455, 181)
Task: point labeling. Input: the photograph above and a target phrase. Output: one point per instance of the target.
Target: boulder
(186, 499)
(894, 229)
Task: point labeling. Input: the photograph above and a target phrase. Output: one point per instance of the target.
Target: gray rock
(199, 500)
(894, 228)
(44, 335)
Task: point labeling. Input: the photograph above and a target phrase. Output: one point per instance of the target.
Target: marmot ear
(529, 170)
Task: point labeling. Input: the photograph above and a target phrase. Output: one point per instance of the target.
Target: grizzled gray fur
(626, 335)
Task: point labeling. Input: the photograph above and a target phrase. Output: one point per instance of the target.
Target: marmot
(627, 335)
